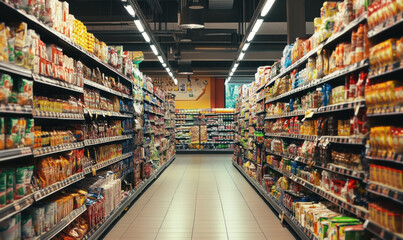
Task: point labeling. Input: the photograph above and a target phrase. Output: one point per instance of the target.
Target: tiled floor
(200, 197)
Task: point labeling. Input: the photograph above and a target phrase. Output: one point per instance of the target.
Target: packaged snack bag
(38, 215)
(10, 185)
(29, 132)
(27, 227)
(10, 43)
(2, 137)
(6, 87)
(20, 182)
(3, 43)
(21, 34)
(3, 184)
(9, 229)
(24, 94)
(29, 171)
(13, 133)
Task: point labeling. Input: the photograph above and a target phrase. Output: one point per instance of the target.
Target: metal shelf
(57, 83)
(59, 116)
(386, 191)
(381, 232)
(299, 230)
(384, 111)
(386, 26)
(39, 152)
(359, 211)
(40, 194)
(15, 69)
(16, 206)
(107, 163)
(335, 75)
(103, 113)
(334, 139)
(62, 224)
(15, 153)
(92, 142)
(101, 227)
(327, 166)
(106, 89)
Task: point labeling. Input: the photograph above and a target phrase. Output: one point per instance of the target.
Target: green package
(6, 86)
(24, 92)
(29, 171)
(20, 191)
(10, 185)
(3, 184)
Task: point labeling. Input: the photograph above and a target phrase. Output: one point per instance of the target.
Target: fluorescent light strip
(160, 59)
(145, 36)
(176, 81)
(241, 56)
(251, 36)
(236, 65)
(155, 51)
(167, 69)
(233, 69)
(231, 73)
(129, 9)
(267, 7)
(164, 65)
(245, 47)
(170, 74)
(139, 25)
(258, 23)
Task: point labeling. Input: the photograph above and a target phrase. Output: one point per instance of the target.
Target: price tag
(17, 207)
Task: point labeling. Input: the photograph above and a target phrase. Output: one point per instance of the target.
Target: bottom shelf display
(302, 232)
(308, 216)
(98, 229)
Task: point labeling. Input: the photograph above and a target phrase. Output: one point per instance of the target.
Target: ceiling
(212, 49)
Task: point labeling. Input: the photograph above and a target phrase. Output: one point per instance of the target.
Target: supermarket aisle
(200, 197)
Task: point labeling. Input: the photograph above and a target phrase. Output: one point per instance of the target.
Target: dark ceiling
(212, 50)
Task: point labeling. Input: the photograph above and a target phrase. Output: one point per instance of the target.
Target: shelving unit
(206, 131)
(67, 126)
(271, 142)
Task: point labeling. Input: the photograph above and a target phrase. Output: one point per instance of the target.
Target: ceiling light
(185, 67)
(231, 73)
(191, 18)
(139, 25)
(164, 65)
(266, 8)
(160, 59)
(170, 74)
(155, 51)
(176, 81)
(251, 36)
(227, 81)
(245, 47)
(236, 65)
(129, 9)
(167, 69)
(241, 56)
(196, 4)
(257, 25)
(145, 36)
(233, 69)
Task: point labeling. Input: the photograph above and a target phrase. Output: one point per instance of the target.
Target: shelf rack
(302, 232)
(102, 227)
(62, 224)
